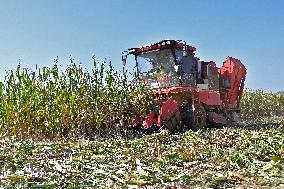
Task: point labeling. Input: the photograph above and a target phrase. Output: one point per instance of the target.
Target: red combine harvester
(189, 93)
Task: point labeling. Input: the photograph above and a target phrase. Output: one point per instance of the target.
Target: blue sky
(35, 32)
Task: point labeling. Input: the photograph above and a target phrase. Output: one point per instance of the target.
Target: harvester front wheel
(198, 117)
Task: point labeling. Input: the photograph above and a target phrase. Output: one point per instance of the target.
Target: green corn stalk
(50, 103)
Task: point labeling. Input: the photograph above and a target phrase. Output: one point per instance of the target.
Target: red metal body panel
(234, 72)
(210, 98)
(168, 110)
(149, 120)
(136, 120)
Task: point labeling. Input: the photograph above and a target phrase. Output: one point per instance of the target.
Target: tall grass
(257, 104)
(51, 103)
(56, 103)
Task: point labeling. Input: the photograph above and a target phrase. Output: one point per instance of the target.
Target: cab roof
(164, 44)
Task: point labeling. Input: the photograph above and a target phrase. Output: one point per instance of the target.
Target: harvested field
(56, 129)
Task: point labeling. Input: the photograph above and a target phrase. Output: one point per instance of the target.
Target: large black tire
(176, 125)
(199, 118)
(186, 116)
(193, 119)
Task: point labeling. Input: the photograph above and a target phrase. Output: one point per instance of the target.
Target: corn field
(55, 103)
(50, 103)
(44, 112)
(258, 104)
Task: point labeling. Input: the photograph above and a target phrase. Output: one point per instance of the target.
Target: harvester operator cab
(168, 63)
